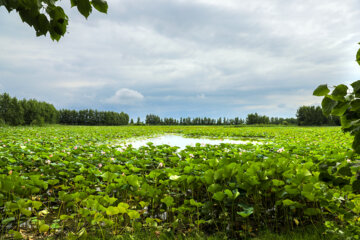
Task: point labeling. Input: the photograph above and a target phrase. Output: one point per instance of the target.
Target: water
(182, 142)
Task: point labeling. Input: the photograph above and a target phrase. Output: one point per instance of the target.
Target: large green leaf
(133, 214)
(328, 105)
(345, 122)
(356, 87)
(219, 196)
(247, 210)
(42, 25)
(112, 211)
(355, 105)
(100, 5)
(339, 92)
(340, 108)
(356, 143)
(168, 200)
(214, 188)
(209, 176)
(356, 186)
(358, 56)
(84, 7)
(44, 228)
(321, 90)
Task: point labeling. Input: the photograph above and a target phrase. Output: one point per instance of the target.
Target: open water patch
(182, 142)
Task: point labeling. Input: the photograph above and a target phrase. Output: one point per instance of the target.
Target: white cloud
(79, 84)
(125, 96)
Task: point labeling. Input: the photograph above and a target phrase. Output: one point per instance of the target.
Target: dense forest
(92, 117)
(16, 112)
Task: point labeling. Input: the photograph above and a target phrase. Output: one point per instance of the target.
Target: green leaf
(312, 211)
(277, 183)
(100, 5)
(79, 178)
(214, 188)
(358, 56)
(44, 228)
(356, 143)
(228, 193)
(219, 196)
(42, 26)
(209, 176)
(340, 108)
(345, 171)
(288, 202)
(356, 86)
(112, 211)
(84, 7)
(339, 92)
(73, 3)
(321, 90)
(26, 212)
(328, 105)
(345, 122)
(133, 214)
(247, 210)
(16, 234)
(355, 105)
(195, 203)
(169, 201)
(123, 207)
(133, 180)
(5, 221)
(356, 186)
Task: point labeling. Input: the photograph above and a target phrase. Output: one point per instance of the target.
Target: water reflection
(182, 142)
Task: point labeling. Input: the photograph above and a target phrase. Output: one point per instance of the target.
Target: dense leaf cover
(45, 16)
(75, 181)
(345, 103)
(92, 117)
(28, 112)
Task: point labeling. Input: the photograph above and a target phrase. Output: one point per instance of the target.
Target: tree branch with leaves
(345, 103)
(45, 16)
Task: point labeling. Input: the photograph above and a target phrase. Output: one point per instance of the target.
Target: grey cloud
(188, 57)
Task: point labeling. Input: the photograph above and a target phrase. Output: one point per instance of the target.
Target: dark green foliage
(38, 113)
(313, 116)
(14, 112)
(61, 182)
(345, 104)
(254, 118)
(35, 113)
(152, 119)
(45, 16)
(92, 117)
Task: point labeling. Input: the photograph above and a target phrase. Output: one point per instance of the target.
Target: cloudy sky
(186, 57)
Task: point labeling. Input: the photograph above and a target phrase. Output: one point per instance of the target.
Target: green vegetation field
(73, 182)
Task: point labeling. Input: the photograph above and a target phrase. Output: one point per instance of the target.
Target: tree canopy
(45, 16)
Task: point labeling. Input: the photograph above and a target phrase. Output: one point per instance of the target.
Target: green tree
(46, 16)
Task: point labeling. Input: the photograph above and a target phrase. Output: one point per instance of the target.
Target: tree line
(92, 117)
(254, 118)
(26, 112)
(313, 116)
(16, 112)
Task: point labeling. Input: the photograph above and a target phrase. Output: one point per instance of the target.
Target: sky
(180, 58)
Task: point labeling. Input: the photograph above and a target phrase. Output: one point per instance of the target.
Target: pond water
(182, 142)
